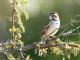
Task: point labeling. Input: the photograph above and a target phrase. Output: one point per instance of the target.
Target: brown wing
(44, 30)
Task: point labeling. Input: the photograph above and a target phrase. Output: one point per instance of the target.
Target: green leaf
(21, 43)
(19, 21)
(9, 56)
(68, 56)
(63, 58)
(23, 1)
(26, 15)
(18, 30)
(28, 58)
(56, 50)
(74, 51)
(21, 7)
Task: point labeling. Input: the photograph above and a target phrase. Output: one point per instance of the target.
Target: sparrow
(52, 27)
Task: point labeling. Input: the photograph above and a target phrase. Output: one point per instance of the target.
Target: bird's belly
(53, 30)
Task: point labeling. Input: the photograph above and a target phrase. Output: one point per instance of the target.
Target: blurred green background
(39, 11)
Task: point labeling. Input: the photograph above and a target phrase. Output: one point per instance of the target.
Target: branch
(63, 44)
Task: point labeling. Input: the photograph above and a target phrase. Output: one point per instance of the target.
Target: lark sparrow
(52, 27)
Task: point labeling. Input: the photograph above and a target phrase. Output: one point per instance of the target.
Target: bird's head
(54, 16)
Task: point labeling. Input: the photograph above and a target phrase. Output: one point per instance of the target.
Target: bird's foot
(52, 38)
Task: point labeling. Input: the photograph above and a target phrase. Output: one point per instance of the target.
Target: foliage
(13, 49)
(16, 30)
(60, 46)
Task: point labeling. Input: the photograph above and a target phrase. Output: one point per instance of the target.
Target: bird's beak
(54, 19)
(50, 17)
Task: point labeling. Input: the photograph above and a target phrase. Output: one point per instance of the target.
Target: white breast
(54, 25)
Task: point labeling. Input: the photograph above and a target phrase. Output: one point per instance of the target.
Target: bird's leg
(52, 38)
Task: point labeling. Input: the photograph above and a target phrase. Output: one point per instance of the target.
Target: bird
(52, 27)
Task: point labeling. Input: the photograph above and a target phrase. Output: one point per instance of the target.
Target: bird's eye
(54, 16)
